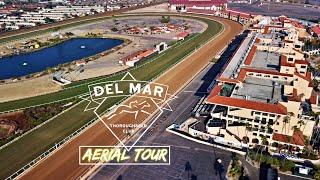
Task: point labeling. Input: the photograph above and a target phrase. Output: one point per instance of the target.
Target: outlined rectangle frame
(168, 163)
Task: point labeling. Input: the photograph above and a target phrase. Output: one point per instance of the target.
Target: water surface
(67, 51)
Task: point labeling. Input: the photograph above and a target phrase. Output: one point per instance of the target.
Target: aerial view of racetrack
(154, 89)
(64, 163)
(175, 68)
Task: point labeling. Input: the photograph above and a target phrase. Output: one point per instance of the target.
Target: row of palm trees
(286, 121)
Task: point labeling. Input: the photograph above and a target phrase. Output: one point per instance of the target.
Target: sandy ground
(100, 67)
(110, 64)
(158, 8)
(28, 88)
(64, 164)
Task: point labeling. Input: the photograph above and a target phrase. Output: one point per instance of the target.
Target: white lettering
(109, 89)
(98, 91)
(158, 90)
(134, 88)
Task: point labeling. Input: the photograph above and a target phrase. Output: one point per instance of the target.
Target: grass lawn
(29, 147)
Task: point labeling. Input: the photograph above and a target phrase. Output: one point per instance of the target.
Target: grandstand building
(235, 16)
(187, 5)
(265, 94)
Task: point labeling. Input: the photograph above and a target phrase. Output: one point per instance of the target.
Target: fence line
(18, 109)
(40, 125)
(177, 44)
(95, 120)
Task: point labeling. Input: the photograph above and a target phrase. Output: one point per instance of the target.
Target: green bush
(165, 19)
(287, 166)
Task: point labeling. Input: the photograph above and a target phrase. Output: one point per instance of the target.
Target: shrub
(165, 19)
(287, 166)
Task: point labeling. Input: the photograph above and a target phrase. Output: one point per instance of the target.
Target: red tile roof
(316, 29)
(284, 62)
(228, 80)
(294, 96)
(296, 139)
(283, 18)
(297, 24)
(215, 91)
(301, 62)
(307, 77)
(266, 30)
(247, 104)
(250, 55)
(139, 55)
(313, 98)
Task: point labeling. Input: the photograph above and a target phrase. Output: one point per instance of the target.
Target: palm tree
(301, 123)
(264, 140)
(248, 128)
(286, 120)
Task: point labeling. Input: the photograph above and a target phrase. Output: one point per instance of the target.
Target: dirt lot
(11, 122)
(64, 163)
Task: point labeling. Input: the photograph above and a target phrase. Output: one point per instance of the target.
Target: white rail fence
(95, 120)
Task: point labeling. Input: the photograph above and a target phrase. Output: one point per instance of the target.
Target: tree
(248, 128)
(276, 162)
(114, 29)
(48, 20)
(275, 144)
(264, 140)
(301, 123)
(287, 166)
(255, 140)
(317, 175)
(165, 19)
(286, 120)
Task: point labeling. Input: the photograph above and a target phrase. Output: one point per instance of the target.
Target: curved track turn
(64, 163)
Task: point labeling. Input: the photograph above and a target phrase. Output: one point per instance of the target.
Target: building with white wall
(265, 94)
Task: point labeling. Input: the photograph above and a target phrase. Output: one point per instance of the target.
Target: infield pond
(67, 51)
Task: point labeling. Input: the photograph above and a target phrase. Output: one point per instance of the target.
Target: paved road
(200, 156)
(64, 164)
(290, 10)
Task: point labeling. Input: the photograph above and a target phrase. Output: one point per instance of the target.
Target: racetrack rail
(63, 164)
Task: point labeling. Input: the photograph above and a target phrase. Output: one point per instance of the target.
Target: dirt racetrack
(64, 163)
